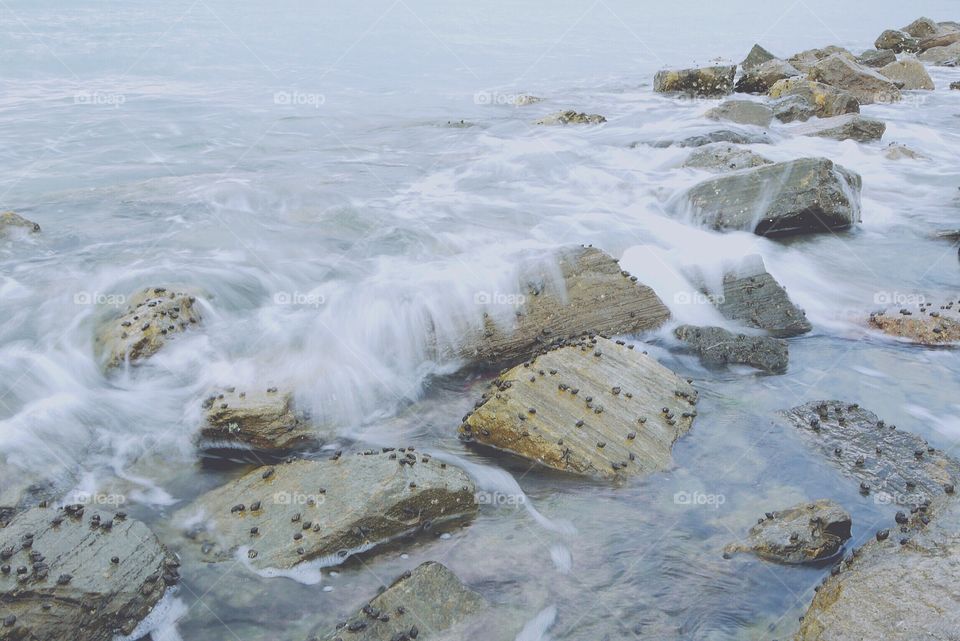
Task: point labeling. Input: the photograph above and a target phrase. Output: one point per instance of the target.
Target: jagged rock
(944, 39)
(593, 408)
(806, 533)
(744, 112)
(262, 420)
(152, 317)
(895, 151)
(11, 222)
(417, 605)
(824, 100)
(876, 58)
(761, 78)
(910, 73)
(866, 85)
(793, 109)
(757, 56)
(718, 347)
(799, 196)
(806, 59)
(846, 127)
(922, 28)
(571, 117)
(721, 157)
(721, 135)
(86, 575)
(897, 42)
(751, 295)
(328, 510)
(703, 81)
(920, 323)
(594, 296)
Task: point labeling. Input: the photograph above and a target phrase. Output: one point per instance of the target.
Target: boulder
(757, 56)
(571, 117)
(744, 112)
(806, 533)
(761, 78)
(824, 100)
(721, 135)
(261, 419)
(718, 347)
(793, 109)
(846, 127)
(595, 295)
(866, 85)
(909, 73)
(419, 604)
(328, 510)
(153, 316)
(698, 82)
(799, 196)
(897, 42)
(593, 407)
(806, 59)
(876, 58)
(940, 40)
(920, 323)
(895, 151)
(752, 296)
(948, 56)
(721, 157)
(922, 28)
(79, 573)
(13, 222)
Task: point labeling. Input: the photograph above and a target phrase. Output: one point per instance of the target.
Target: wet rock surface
(718, 347)
(876, 58)
(806, 533)
(722, 157)
(258, 419)
(731, 136)
(924, 323)
(76, 572)
(280, 516)
(418, 605)
(153, 316)
(571, 117)
(751, 295)
(865, 84)
(899, 152)
(823, 100)
(805, 60)
(910, 73)
(763, 77)
(594, 408)
(800, 196)
(744, 112)
(21, 490)
(846, 127)
(702, 81)
(11, 222)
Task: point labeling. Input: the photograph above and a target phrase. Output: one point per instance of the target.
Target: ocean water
(350, 185)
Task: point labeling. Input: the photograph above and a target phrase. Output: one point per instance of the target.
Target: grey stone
(897, 42)
(752, 296)
(698, 82)
(806, 59)
(721, 135)
(909, 73)
(866, 85)
(744, 112)
(722, 157)
(757, 56)
(718, 347)
(761, 78)
(793, 109)
(571, 117)
(876, 58)
(22, 489)
(823, 100)
(846, 127)
(955, 85)
(948, 56)
(260, 419)
(922, 27)
(806, 533)
(896, 151)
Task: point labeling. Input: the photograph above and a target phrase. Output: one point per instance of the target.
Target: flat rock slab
(876, 58)
(153, 316)
(595, 295)
(257, 419)
(593, 408)
(866, 85)
(721, 135)
(909, 73)
(924, 324)
(761, 78)
(417, 605)
(895, 466)
(718, 347)
(806, 533)
(944, 39)
(306, 510)
(13, 222)
(572, 118)
(822, 100)
(744, 112)
(75, 573)
(846, 127)
(702, 81)
(723, 157)
(752, 296)
(795, 197)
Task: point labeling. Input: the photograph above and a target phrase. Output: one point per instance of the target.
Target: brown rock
(571, 117)
(10, 221)
(703, 81)
(761, 78)
(866, 85)
(824, 101)
(909, 73)
(846, 127)
(259, 419)
(806, 533)
(806, 59)
(923, 324)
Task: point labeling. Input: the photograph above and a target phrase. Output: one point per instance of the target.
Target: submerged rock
(257, 419)
(751, 295)
(866, 85)
(11, 221)
(896, 151)
(806, 59)
(21, 490)
(757, 56)
(948, 56)
(595, 295)
(417, 605)
(761, 78)
(327, 510)
(721, 157)
(721, 135)
(523, 100)
(846, 127)
(744, 112)
(593, 408)
(897, 41)
(876, 58)
(799, 196)
(703, 81)
(86, 574)
(806, 533)
(717, 347)
(823, 100)
(910, 73)
(571, 117)
(921, 323)
(152, 317)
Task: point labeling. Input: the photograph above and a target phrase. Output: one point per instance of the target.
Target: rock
(793, 109)
(721, 135)
(721, 157)
(955, 85)
(152, 317)
(744, 112)
(799, 196)
(942, 56)
(430, 599)
(761, 78)
(718, 347)
(751, 295)
(824, 100)
(846, 127)
(922, 28)
(910, 72)
(945, 39)
(892, 465)
(895, 151)
(757, 56)
(71, 588)
(22, 489)
(13, 222)
(261, 419)
(608, 411)
(523, 100)
(876, 58)
(595, 295)
(571, 117)
(806, 533)
(806, 59)
(866, 85)
(699, 82)
(920, 323)
(897, 42)
(328, 510)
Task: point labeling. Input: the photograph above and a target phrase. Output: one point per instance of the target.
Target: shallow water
(294, 163)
